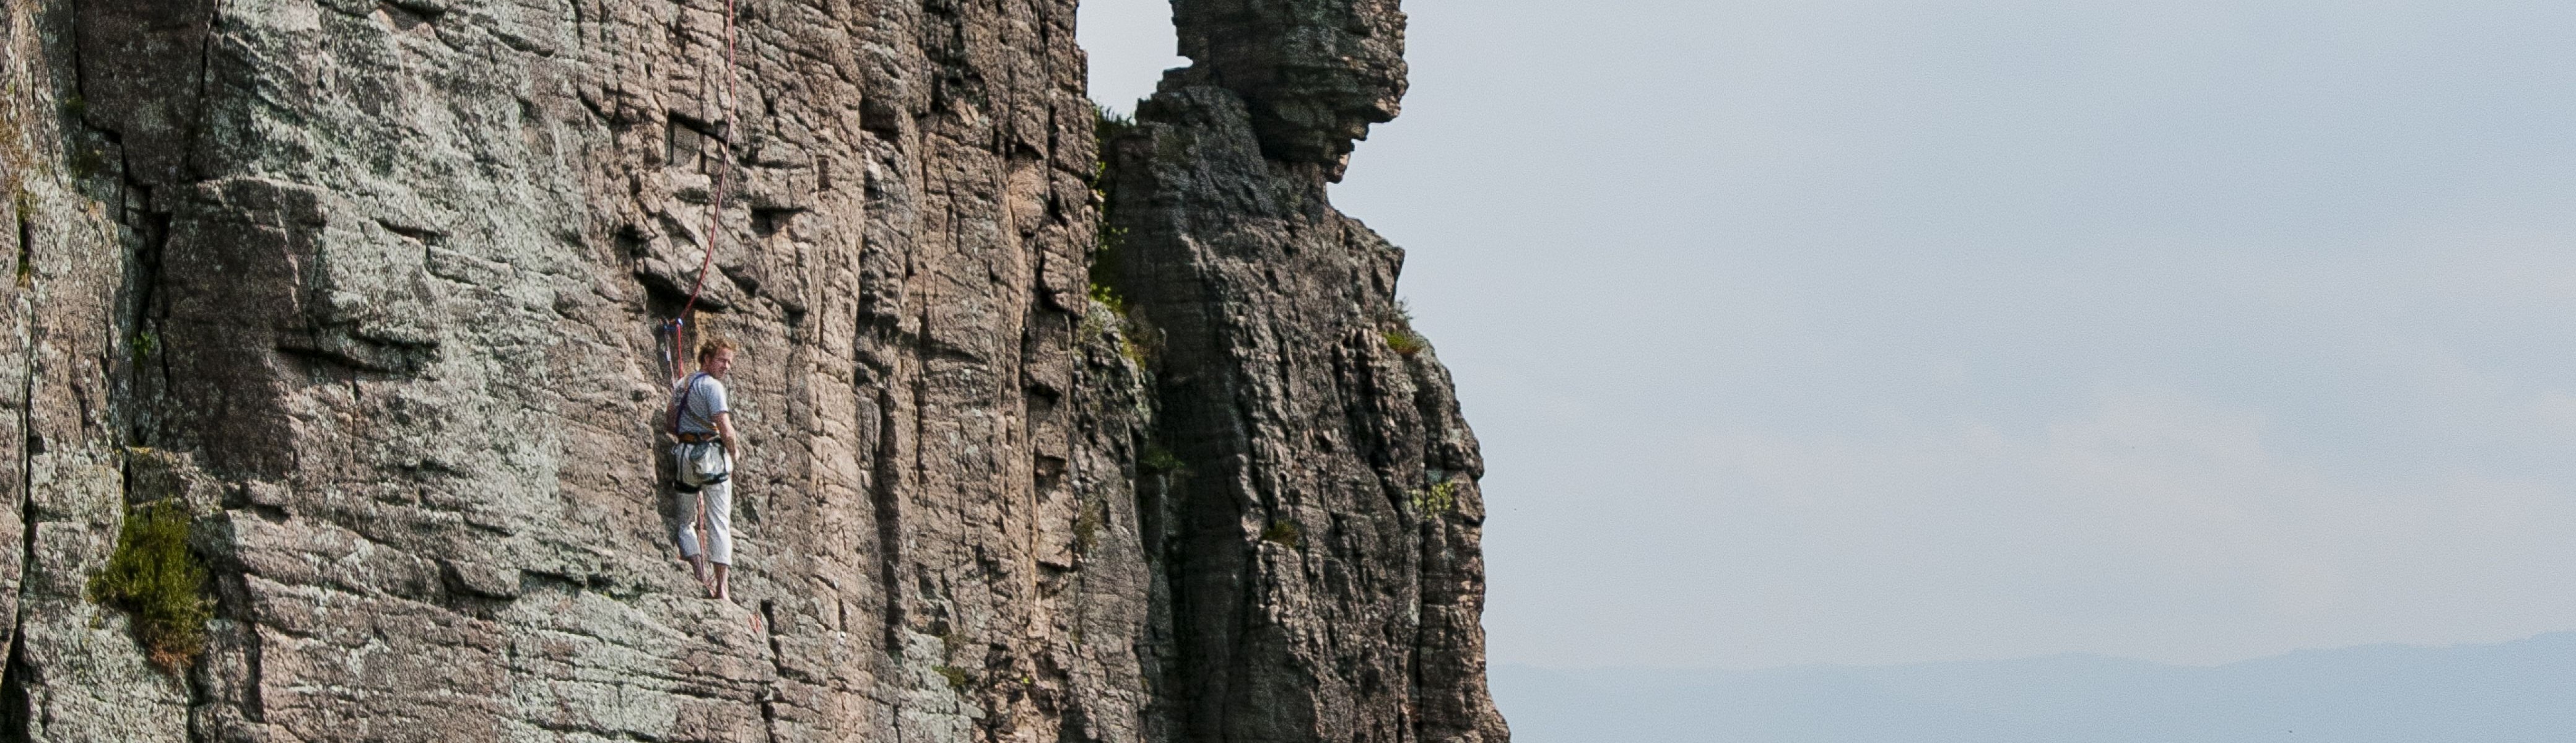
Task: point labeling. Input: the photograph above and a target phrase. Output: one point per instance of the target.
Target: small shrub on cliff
(1109, 125)
(1159, 460)
(143, 345)
(1397, 329)
(1405, 341)
(157, 581)
(1131, 329)
(1107, 297)
(1283, 533)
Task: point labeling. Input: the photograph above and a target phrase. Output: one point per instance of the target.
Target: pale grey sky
(1875, 331)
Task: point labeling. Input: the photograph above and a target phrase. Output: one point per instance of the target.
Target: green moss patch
(157, 581)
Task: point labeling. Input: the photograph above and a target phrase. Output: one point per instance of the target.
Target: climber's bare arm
(724, 428)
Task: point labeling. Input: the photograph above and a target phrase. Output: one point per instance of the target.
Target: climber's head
(716, 356)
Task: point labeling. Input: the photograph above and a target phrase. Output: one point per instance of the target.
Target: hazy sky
(1873, 331)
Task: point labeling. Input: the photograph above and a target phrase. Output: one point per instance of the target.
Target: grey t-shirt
(705, 396)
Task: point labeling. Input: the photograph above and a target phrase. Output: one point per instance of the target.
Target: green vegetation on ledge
(1397, 329)
(1284, 533)
(157, 581)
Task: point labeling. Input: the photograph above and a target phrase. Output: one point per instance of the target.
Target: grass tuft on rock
(1405, 341)
(1284, 533)
(153, 578)
(1397, 328)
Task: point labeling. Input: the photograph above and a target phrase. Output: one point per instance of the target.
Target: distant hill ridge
(2501, 693)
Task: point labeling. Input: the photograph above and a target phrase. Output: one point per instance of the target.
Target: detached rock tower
(1040, 449)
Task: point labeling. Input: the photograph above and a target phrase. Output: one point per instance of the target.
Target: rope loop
(715, 202)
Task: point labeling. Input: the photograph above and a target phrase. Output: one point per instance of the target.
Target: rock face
(371, 288)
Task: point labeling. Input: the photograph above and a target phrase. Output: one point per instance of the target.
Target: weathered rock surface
(370, 286)
(1313, 74)
(1328, 520)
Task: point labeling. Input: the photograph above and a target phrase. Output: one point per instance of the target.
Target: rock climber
(703, 422)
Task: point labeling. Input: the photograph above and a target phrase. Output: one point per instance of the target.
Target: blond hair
(708, 348)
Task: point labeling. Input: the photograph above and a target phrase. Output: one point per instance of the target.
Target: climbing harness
(702, 457)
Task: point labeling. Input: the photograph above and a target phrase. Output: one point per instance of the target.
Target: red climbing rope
(715, 208)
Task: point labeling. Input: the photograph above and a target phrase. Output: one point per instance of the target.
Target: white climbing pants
(719, 504)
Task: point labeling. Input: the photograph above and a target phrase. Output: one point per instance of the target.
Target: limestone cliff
(370, 288)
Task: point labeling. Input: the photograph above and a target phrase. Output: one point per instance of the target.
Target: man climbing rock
(703, 422)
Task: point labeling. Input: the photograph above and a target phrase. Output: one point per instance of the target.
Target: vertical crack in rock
(885, 496)
(16, 706)
(769, 697)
